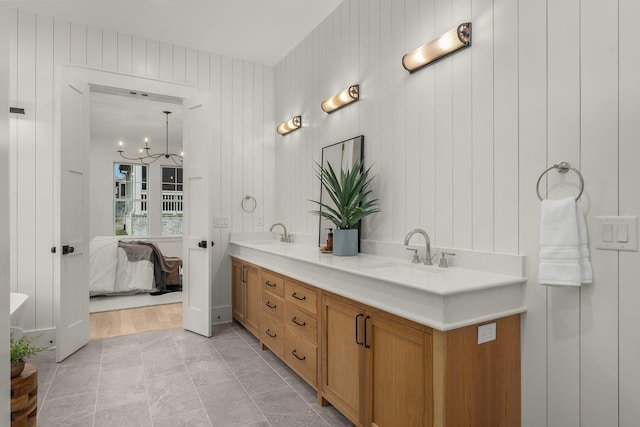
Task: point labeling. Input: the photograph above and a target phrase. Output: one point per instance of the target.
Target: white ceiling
(262, 31)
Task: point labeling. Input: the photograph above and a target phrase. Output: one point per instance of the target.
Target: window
(171, 200)
(130, 200)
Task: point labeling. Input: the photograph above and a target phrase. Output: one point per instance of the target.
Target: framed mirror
(340, 155)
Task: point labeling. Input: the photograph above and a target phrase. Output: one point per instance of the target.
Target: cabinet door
(342, 358)
(238, 292)
(398, 366)
(252, 301)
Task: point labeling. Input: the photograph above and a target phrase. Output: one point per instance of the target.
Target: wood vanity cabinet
(376, 367)
(379, 369)
(385, 371)
(245, 295)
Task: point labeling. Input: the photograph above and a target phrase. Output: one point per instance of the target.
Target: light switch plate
(616, 233)
(486, 333)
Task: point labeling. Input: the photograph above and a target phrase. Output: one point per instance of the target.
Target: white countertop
(440, 298)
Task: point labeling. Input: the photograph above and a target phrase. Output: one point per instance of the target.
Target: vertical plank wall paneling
(532, 121)
(5, 234)
(629, 204)
(599, 158)
(563, 133)
(458, 147)
(37, 45)
(44, 168)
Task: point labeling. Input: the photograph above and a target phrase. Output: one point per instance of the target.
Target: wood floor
(134, 321)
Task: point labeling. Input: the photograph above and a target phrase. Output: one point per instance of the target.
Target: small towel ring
(563, 167)
(249, 204)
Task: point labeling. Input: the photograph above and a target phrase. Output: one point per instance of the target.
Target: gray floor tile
(234, 349)
(192, 345)
(172, 394)
(130, 415)
(64, 410)
(209, 370)
(156, 341)
(228, 404)
(131, 342)
(161, 362)
(284, 408)
(73, 380)
(121, 358)
(197, 418)
(180, 379)
(88, 355)
(120, 387)
(256, 375)
(274, 361)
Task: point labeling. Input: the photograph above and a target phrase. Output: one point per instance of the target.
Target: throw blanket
(141, 250)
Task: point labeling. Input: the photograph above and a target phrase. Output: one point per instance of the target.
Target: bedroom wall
(243, 97)
(458, 147)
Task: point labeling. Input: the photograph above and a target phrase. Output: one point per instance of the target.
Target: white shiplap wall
(5, 392)
(243, 153)
(458, 148)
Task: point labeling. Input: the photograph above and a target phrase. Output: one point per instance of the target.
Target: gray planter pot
(345, 242)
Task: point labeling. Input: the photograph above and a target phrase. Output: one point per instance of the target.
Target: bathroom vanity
(387, 342)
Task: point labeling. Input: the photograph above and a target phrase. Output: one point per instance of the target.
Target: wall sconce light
(346, 97)
(290, 125)
(444, 45)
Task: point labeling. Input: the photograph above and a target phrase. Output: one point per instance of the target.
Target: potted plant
(348, 193)
(21, 350)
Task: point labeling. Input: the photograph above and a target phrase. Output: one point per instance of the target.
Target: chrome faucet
(283, 237)
(427, 258)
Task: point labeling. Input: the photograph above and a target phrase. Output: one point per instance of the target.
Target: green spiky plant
(23, 349)
(348, 193)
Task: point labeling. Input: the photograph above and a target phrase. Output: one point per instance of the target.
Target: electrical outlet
(259, 222)
(486, 333)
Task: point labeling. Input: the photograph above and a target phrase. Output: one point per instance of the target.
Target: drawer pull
(294, 320)
(297, 297)
(268, 304)
(271, 285)
(296, 355)
(357, 317)
(365, 332)
(268, 332)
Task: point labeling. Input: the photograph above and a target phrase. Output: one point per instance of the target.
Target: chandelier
(146, 158)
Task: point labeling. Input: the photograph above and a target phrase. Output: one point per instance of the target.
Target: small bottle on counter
(330, 240)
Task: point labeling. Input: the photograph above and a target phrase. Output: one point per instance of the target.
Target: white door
(71, 231)
(197, 253)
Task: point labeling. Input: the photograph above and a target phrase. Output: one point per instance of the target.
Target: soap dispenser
(330, 239)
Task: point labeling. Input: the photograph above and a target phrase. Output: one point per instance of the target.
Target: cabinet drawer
(273, 305)
(301, 356)
(272, 335)
(301, 322)
(272, 283)
(301, 296)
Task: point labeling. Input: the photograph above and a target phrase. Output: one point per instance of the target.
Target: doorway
(71, 136)
(134, 200)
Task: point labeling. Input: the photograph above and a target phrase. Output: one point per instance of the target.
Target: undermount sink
(408, 270)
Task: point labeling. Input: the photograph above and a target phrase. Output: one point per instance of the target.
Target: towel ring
(248, 204)
(563, 167)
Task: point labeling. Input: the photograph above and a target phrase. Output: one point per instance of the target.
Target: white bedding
(110, 271)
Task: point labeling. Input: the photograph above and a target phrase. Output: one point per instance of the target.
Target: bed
(119, 267)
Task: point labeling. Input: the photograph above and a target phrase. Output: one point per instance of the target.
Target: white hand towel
(564, 254)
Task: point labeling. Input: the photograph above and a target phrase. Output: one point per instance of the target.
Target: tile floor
(176, 378)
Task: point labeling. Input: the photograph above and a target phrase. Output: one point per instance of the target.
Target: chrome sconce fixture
(445, 44)
(290, 125)
(346, 97)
